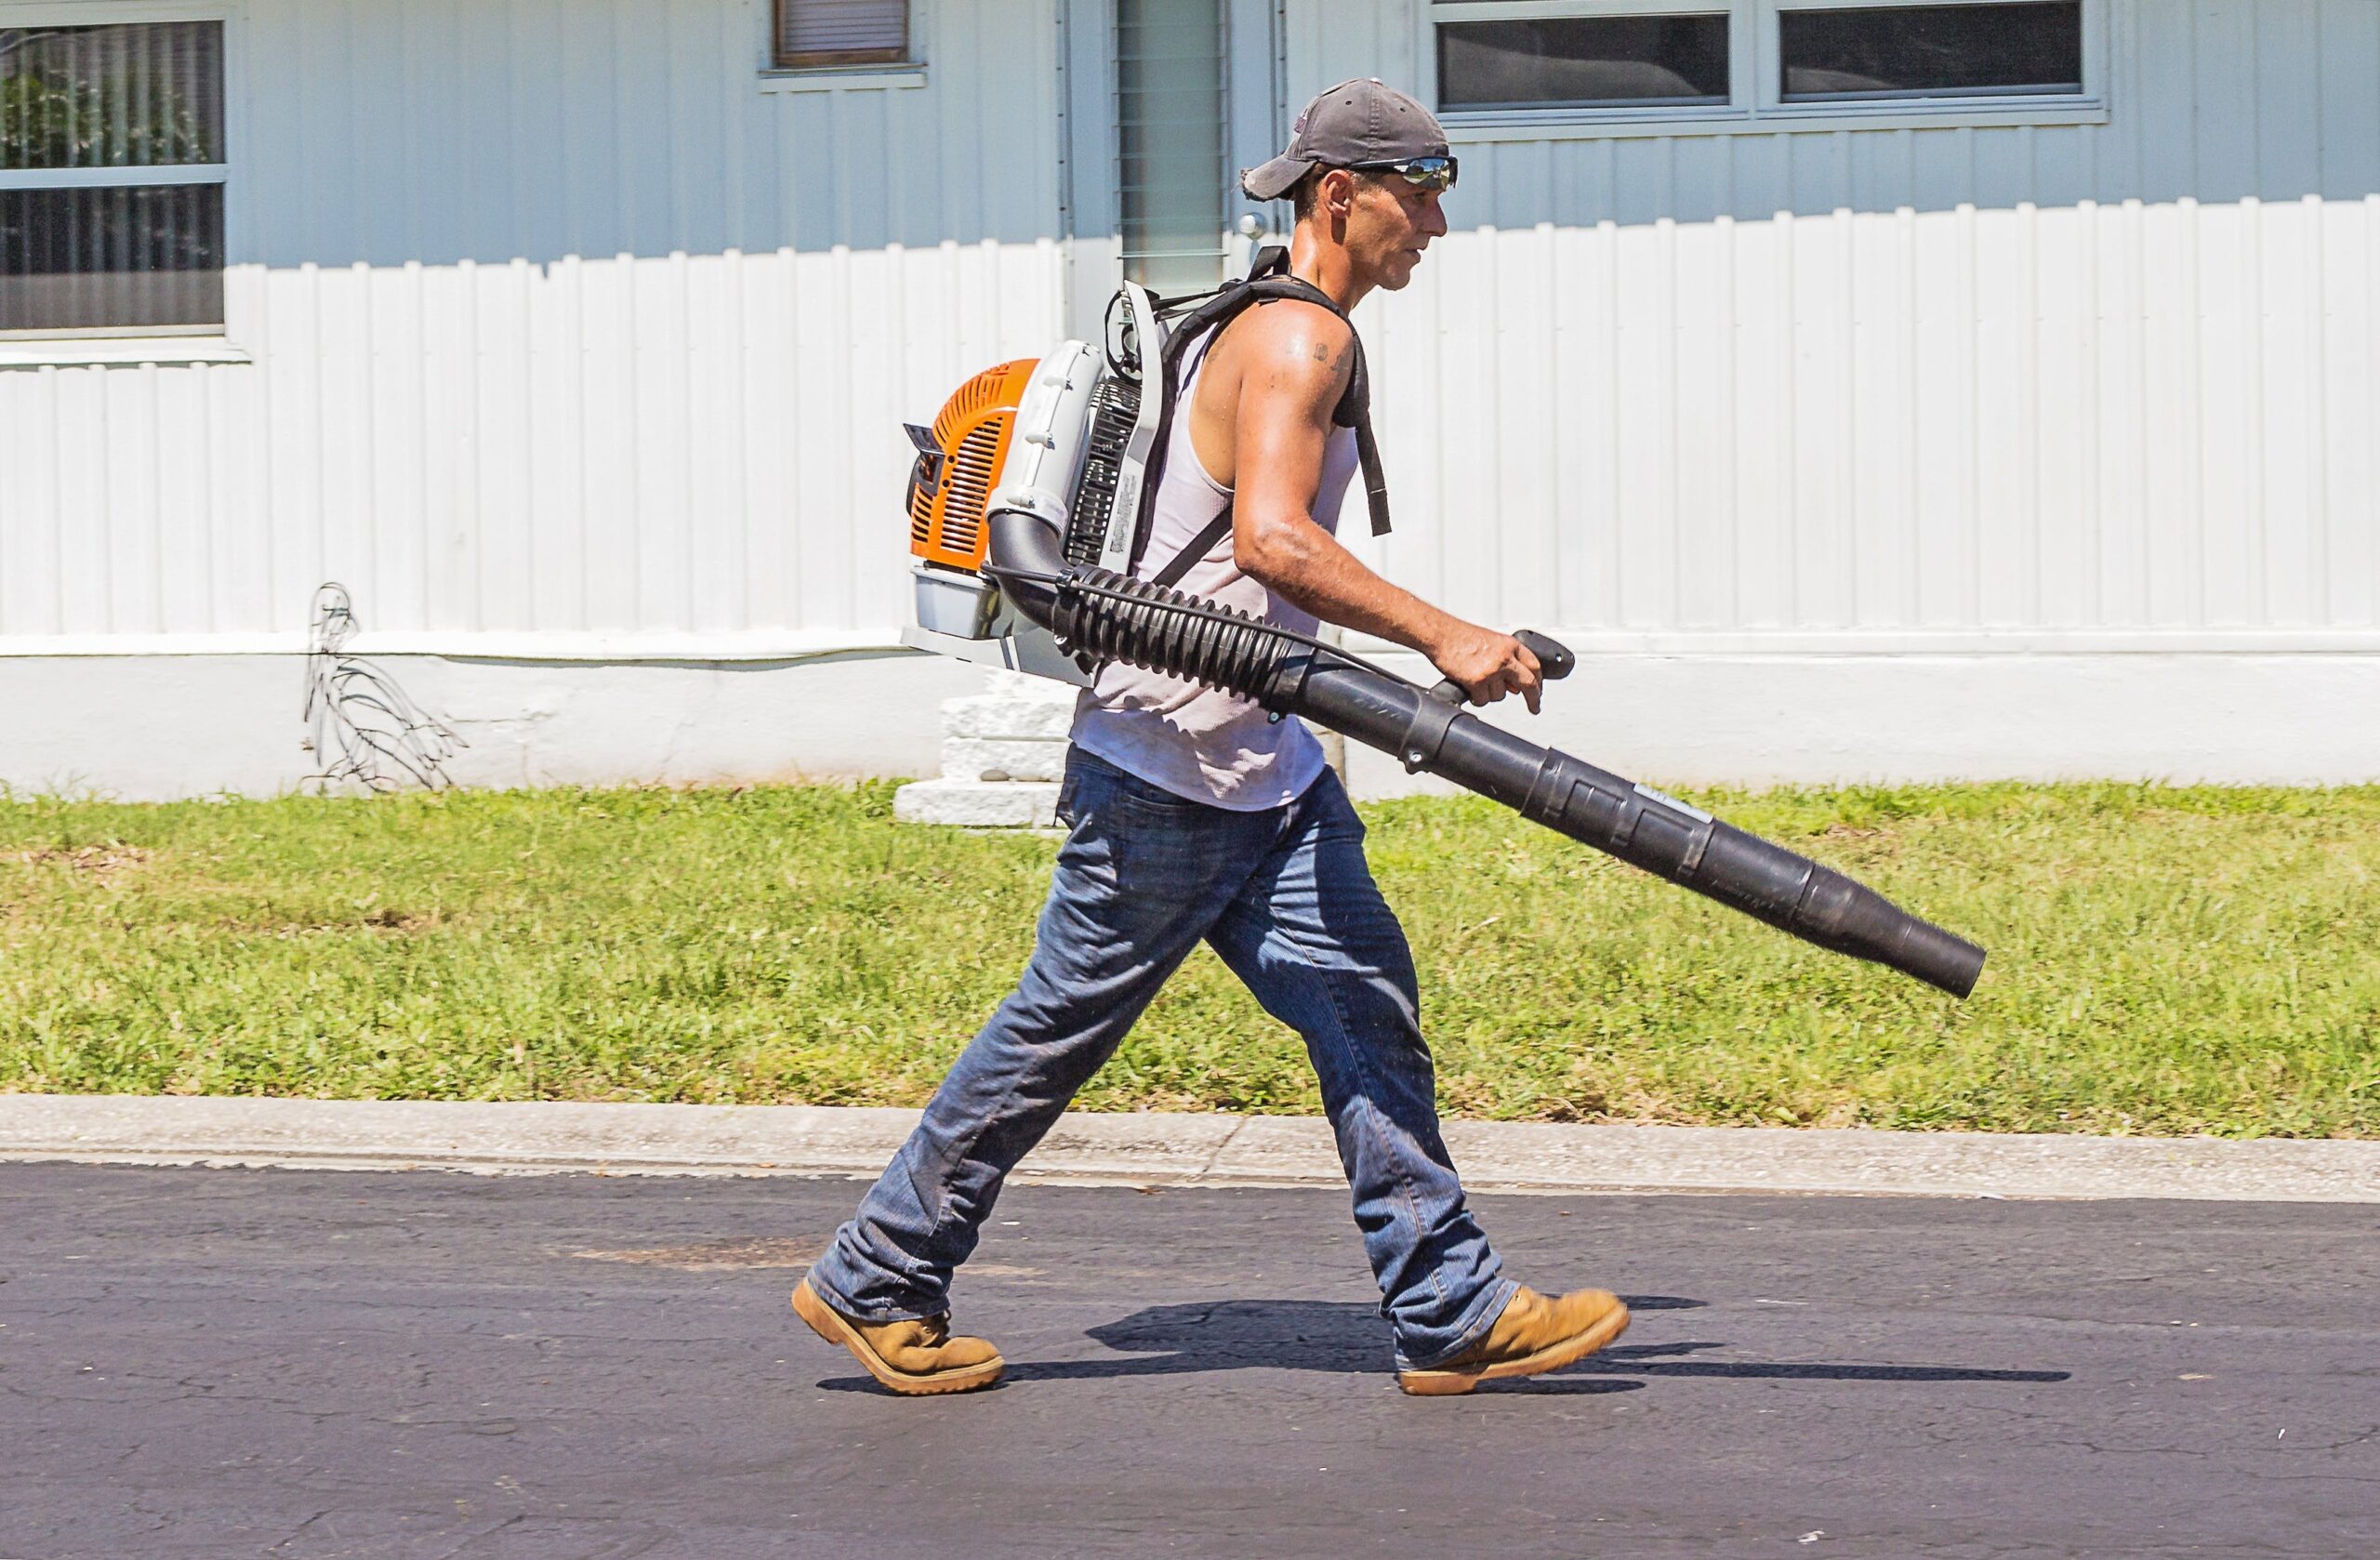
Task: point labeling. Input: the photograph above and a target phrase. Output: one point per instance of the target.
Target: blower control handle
(1553, 661)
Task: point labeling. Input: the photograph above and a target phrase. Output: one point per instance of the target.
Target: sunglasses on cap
(1423, 173)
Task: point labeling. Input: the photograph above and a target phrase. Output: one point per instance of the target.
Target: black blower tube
(1106, 616)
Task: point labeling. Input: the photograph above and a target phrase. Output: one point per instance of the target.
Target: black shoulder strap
(1267, 280)
(1355, 408)
(1200, 545)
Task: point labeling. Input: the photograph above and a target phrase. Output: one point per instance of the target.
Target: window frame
(1741, 42)
(856, 62)
(1755, 66)
(194, 343)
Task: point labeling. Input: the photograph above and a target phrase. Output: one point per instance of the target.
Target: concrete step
(979, 803)
(979, 757)
(1013, 707)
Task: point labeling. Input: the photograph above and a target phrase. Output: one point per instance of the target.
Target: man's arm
(1296, 364)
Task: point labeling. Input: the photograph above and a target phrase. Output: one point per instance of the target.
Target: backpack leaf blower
(1029, 505)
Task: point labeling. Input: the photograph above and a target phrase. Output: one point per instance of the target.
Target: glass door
(1165, 101)
(1172, 137)
(1197, 99)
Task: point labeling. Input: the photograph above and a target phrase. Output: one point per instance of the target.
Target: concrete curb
(1173, 1150)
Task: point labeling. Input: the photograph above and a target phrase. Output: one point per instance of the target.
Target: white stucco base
(145, 728)
(150, 727)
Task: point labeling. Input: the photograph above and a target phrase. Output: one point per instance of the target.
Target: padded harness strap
(1266, 281)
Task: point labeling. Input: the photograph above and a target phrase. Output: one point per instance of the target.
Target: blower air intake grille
(1114, 406)
(967, 488)
(947, 516)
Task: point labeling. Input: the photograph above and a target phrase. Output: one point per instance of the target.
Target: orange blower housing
(1055, 437)
(959, 462)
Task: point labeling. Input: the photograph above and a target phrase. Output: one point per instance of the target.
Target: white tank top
(1210, 747)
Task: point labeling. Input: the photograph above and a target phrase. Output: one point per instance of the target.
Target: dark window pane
(1588, 62)
(842, 31)
(136, 96)
(1907, 51)
(127, 256)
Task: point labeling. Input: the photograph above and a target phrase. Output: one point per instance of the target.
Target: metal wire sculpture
(362, 726)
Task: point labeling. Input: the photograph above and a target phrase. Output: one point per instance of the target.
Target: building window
(1871, 52)
(1765, 63)
(112, 171)
(1583, 61)
(813, 34)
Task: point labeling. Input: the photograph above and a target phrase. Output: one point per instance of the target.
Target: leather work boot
(911, 1357)
(1536, 1333)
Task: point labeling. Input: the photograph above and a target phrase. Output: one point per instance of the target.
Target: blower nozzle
(1103, 616)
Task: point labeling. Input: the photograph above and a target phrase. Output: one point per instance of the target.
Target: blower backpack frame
(1072, 437)
(1029, 506)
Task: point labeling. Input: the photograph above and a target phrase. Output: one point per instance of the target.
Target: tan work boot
(913, 1357)
(1536, 1333)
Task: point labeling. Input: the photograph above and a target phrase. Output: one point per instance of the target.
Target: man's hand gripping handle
(1433, 714)
(1553, 661)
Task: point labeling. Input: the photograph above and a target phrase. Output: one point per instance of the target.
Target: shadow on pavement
(1342, 1338)
(1646, 1360)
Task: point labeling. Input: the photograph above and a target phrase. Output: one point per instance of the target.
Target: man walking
(1196, 816)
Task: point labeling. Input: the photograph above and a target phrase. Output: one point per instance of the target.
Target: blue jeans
(1285, 898)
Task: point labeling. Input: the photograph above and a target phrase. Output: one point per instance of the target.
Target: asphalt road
(224, 1364)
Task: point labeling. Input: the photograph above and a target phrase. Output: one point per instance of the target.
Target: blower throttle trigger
(1553, 661)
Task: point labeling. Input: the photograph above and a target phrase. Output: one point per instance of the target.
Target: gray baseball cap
(1359, 121)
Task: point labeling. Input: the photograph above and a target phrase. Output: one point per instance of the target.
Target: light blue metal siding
(442, 130)
(2216, 100)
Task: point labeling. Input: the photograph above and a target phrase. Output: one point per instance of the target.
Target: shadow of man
(1345, 1338)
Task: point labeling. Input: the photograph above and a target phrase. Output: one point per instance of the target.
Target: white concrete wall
(142, 727)
(2231, 718)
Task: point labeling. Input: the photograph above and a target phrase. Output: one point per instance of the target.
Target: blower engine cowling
(959, 462)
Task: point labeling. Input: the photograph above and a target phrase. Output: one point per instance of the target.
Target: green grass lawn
(2163, 959)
